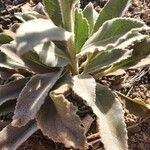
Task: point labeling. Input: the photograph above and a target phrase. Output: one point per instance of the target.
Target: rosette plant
(65, 51)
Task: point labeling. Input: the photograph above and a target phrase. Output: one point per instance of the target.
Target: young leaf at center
(82, 30)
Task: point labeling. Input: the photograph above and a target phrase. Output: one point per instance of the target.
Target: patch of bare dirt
(7, 10)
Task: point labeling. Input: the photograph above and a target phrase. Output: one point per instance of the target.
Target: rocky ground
(133, 83)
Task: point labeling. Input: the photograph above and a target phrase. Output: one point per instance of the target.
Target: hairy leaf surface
(52, 8)
(6, 62)
(9, 59)
(29, 15)
(33, 62)
(112, 9)
(66, 78)
(84, 86)
(140, 51)
(12, 90)
(37, 31)
(129, 39)
(10, 51)
(33, 96)
(67, 13)
(91, 15)
(105, 59)
(82, 30)
(12, 137)
(58, 120)
(113, 56)
(51, 55)
(143, 62)
(110, 118)
(139, 57)
(110, 33)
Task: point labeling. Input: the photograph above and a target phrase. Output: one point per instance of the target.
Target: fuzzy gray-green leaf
(105, 59)
(9, 63)
(51, 55)
(29, 15)
(87, 85)
(52, 8)
(67, 12)
(130, 39)
(33, 96)
(139, 57)
(82, 30)
(66, 78)
(140, 51)
(37, 31)
(10, 51)
(91, 15)
(110, 119)
(110, 33)
(113, 9)
(32, 61)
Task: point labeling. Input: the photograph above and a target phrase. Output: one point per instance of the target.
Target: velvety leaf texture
(37, 31)
(32, 61)
(143, 62)
(29, 15)
(12, 137)
(130, 39)
(10, 64)
(33, 96)
(65, 78)
(9, 58)
(105, 59)
(82, 30)
(10, 51)
(58, 120)
(91, 15)
(87, 85)
(140, 50)
(51, 55)
(67, 12)
(24, 16)
(110, 119)
(110, 33)
(139, 57)
(112, 9)
(52, 9)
